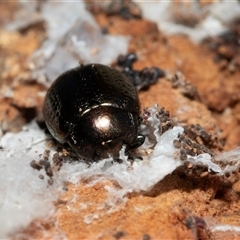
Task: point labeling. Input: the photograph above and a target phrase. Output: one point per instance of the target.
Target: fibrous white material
(210, 19)
(141, 175)
(73, 36)
(90, 218)
(24, 196)
(225, 228)
(231, 160)
(205, 159)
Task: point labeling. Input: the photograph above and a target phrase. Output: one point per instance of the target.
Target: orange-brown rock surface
(172, 208)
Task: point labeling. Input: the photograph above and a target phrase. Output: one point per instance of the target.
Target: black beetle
(96, 110)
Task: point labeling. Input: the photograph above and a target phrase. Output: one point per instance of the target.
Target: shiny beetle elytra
(95, 109)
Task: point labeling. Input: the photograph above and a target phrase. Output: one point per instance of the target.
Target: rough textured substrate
(167, 212)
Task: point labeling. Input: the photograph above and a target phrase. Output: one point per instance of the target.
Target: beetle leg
(139, 141)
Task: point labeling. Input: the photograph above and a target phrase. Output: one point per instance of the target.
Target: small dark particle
(46, 155)
(198, 226)
(176, 143)
(118, 160)
(35, 165)
(38, 165)
(50, 181)
(43, 164)
(47, 167)
(195, 222)
(178, 80)
(41, 176)
(59, 202)
(183, 155)
(65, 187)
(227, 174)
(57, 161)
(200, 169)
(119, 234)
(55, 155)
(104, 30)
(140, 79)
(146, 237)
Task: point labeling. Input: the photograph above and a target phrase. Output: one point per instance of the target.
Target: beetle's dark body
(95, 109)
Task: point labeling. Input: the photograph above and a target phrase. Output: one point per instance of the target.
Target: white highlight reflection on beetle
(103, 123)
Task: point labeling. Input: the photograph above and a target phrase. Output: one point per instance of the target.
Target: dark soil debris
(166, 121)
(202, 137)
(178, 80)
(146, 237)
(227, 48)
(35, 165)
(197, 225)
(119, 235)
(141, 79)
(126, 9)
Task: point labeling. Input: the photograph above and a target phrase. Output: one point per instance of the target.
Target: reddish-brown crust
(162, 213)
